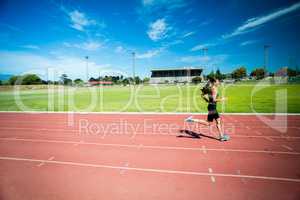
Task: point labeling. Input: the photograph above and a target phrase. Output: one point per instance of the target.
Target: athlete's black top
(212, 108)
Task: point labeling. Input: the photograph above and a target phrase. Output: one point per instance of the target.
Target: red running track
(135, 156)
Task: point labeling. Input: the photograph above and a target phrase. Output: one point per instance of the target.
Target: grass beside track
(241, 98)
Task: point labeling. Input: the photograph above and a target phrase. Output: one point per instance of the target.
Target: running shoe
(225, 138)
(189, 119)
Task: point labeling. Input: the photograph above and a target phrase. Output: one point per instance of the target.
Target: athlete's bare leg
(220, 127)
(205, 123)
(201, 121)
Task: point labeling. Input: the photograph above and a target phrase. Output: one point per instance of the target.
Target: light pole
(266, 58)
(133, 67)
(204, 54)
(87, 68)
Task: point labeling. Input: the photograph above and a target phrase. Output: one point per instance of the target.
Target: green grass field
(266, 99)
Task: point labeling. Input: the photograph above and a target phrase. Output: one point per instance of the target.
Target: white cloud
(80, 21)
(158, 30)
(189, 34)
(149, 54)
(202, 46)
(248, 42)
(172, 43)
(31, 47)
(192, 59)
(120, 49)
(24, 62)
(206, 22)
(204, 60)
(89, 46)
(166, 4)
(11, 27)
(255, 22)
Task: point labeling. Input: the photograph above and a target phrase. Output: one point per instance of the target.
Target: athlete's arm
(215, 94)
(205, 97)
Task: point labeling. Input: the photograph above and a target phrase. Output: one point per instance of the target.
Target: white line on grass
(151, 170)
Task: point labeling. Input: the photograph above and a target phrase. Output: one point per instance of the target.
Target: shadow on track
(194, 135)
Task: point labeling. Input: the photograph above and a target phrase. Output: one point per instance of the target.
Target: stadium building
(175, 75)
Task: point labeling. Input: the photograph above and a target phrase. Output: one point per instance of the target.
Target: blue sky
(58, 34)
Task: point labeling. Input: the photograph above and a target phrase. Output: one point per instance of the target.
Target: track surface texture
(136, 156)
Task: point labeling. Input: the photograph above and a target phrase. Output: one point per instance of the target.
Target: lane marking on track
(42, 132)
(287, 147)
(151, 170)
(258, 133)
(51, 158)
(212, 178)
(126, 165)
(287, 138)
(154, 147)
(43, 163)
(239, 173)
(80, 142)
(269, 138)
(204, 149)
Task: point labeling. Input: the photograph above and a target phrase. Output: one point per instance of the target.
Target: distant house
(282, 72)
(95, 83)
(175, 75)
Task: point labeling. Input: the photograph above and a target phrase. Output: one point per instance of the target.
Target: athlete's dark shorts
(212, 112)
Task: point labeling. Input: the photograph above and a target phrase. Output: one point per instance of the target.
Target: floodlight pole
(266, 58)
(133, 67)
(87, 68)
(204, 53)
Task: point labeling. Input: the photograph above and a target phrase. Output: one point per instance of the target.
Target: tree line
(237, 74)
(33, 79)
(241, 73)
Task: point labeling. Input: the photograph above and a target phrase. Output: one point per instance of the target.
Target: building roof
(176, 68)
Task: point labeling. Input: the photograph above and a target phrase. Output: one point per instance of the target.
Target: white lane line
(77, 143)
(122, 171)
(204, 149)
(287, 147)
(43, 163)
(51, 158)
(42, 131)
(269, 178)
(258, 133)
(212, 178)
(153, 147)
(269, 138)
(243, 179)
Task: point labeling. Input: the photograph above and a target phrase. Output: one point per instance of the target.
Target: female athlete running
(210, 95)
